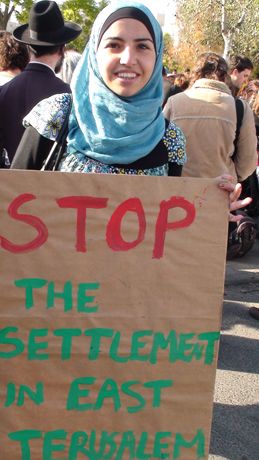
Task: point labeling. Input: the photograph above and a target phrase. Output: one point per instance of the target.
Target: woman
(206, 113)
(14, 57)
(116, 124)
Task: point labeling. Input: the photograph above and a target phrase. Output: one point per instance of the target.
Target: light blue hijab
(104, 126)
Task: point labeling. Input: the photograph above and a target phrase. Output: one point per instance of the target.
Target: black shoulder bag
(52, 161)
(240, 114)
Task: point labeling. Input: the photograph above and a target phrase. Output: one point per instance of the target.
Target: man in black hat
(46, 35)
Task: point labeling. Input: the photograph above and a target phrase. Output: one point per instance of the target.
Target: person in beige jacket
(206, 113)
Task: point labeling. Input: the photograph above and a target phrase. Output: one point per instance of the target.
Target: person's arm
(174, 169)
(32, 150)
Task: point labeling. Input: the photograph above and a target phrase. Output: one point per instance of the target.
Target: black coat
(20, 95)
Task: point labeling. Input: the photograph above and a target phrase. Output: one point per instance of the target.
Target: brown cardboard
(162, 289)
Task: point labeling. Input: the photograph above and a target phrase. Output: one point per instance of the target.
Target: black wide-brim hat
(46, 26)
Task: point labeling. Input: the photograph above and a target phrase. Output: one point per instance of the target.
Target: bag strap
(240, 116)
(54, 156)
(4, 159)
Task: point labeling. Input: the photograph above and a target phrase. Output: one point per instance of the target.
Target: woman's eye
(112, 45)
(143, 46)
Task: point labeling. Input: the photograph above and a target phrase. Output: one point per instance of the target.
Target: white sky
(153, 5)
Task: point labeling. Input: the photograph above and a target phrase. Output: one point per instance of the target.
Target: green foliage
(169, 55)
(83, 12)
(23, 16)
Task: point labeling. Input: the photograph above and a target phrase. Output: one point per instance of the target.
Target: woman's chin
(125, 89)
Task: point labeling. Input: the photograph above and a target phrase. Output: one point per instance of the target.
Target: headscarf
(105, 126)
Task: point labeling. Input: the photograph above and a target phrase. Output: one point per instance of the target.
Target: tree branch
(239, 22)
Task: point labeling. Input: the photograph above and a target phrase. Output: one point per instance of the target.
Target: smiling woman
(127, 56)
(116, 123)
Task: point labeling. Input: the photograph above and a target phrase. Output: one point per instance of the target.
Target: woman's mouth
(127, 75)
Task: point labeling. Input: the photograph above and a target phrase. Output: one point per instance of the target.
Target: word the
(31, 284)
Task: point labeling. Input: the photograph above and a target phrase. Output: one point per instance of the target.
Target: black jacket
(20, 95)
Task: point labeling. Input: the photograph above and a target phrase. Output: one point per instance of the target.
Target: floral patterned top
(48, 116)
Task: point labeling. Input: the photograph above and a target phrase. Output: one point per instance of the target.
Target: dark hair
(240, 63)
(13, 54)
(40, 51)
(210, 65)
(182, 81)
(164, 72)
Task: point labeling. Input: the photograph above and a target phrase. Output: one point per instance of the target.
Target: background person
(181, 83)
(14, 57)
(206, 113)
(166, 86)
(240, 68)
(46, 35)
(69, 63)
(254, 311)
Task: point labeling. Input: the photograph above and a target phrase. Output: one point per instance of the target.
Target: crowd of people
(122, 112)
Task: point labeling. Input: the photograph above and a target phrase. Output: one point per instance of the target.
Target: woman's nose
(128, 56)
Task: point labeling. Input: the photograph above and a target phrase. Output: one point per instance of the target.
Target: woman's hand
(226, 182)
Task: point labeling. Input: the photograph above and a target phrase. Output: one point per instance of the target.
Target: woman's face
(126, 57)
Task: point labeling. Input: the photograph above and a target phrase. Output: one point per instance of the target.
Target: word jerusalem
(111, 446)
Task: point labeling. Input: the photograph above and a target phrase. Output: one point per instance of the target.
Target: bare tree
(228, 32)
(225, 26)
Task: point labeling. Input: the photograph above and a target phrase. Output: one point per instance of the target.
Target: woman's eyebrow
(144, 39)
(140, 39)
(113, 38)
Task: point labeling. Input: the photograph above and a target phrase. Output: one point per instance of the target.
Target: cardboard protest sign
(111, 295)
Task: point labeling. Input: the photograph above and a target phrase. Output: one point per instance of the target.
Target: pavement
(235, 424)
